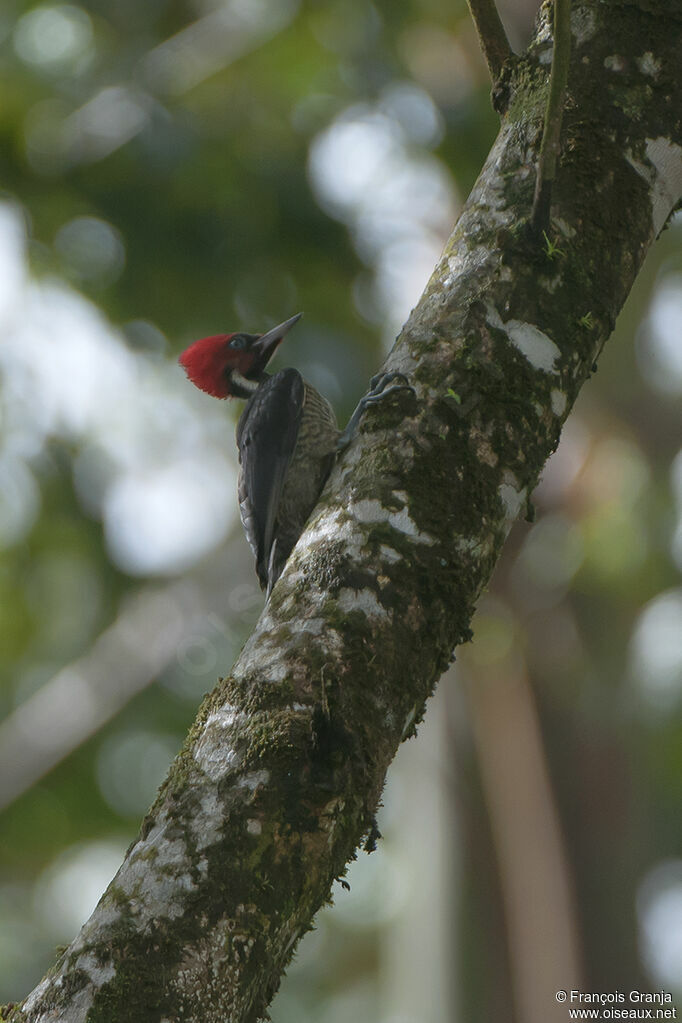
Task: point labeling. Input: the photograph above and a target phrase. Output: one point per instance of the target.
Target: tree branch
(549, 147)
(281, 775)
(491, 35)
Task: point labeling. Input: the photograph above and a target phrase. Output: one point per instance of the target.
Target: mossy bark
(279, 780)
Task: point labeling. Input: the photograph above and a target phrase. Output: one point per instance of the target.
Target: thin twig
(491, 34)
(549, 147)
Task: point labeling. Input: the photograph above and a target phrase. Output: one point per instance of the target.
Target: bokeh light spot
(552, 552)
(130, 768)
(70, 888)
(19, 500)
(53, 37)
(656, 651)
(658, 340)
(162, 520)
(92, 250)
(659, 909)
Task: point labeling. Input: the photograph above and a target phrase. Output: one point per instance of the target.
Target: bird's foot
(378, 391)
(378, 383)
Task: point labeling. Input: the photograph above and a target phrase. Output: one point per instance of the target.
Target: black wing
(266, 438)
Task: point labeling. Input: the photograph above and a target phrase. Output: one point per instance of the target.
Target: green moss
(134, 995)
(12, 1013)
(74, 982)
(528, 93)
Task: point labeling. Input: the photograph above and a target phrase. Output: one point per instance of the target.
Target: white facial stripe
(243, 382)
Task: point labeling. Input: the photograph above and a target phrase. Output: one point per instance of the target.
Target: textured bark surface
(280, 777)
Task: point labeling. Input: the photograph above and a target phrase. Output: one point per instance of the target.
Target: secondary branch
(491, 34)
(549, 147)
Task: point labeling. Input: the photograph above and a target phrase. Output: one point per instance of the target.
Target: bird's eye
(238, 341)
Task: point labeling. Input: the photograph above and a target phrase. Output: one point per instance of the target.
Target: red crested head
(210, 361)
(232, 365)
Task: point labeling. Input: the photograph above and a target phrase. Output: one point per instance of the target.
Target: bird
(287, 436)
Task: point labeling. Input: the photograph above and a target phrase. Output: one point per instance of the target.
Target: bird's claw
(377, 392)
(377, 387)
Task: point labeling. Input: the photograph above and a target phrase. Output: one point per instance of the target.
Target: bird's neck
(242, 387)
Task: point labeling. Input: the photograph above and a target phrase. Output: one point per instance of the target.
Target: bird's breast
(311, 461)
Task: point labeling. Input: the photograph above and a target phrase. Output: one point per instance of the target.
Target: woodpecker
(287, 436)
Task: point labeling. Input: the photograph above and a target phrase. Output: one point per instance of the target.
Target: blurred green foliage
(174, 163)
